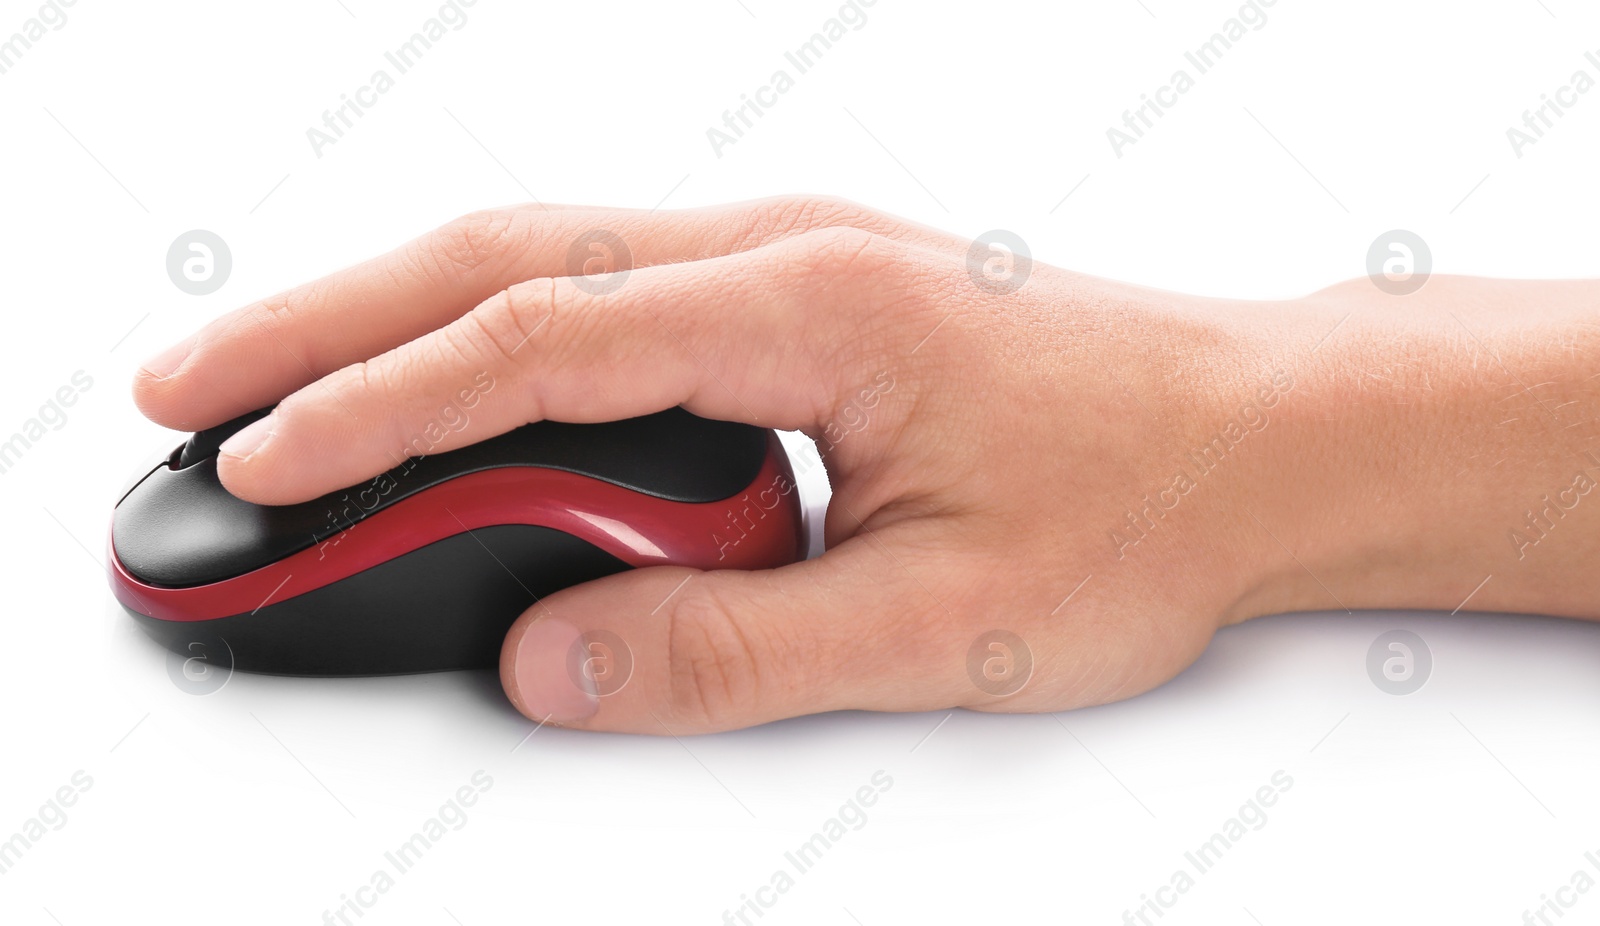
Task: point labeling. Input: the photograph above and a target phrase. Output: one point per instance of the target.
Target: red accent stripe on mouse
(426, 567)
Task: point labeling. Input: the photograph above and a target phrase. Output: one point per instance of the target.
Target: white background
(267, 801)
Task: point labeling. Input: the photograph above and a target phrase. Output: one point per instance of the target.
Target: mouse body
(425, 567)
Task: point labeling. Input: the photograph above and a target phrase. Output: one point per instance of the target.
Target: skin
(1021, 475)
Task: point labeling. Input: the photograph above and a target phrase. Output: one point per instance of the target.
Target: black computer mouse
(426, 567)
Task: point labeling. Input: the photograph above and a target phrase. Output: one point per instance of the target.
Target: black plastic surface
(447, 605)
(202, 444)
(180, 528)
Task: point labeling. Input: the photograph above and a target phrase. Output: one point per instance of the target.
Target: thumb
(671, 650)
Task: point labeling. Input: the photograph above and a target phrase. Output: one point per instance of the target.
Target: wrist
(1439, 452)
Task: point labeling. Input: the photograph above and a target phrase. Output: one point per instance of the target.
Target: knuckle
(363, 381)
(286, 323)
(500, 328)
(714, 668)
(368, 383)
(783, 216)
(841, 252)
(471, 242)
(279, 309)
(277, 317)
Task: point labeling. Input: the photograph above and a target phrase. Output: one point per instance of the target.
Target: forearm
(1440, 451)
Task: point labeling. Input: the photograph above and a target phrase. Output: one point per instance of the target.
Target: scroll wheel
(203, 444)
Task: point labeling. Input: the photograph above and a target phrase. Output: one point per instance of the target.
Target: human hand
(1030, 511)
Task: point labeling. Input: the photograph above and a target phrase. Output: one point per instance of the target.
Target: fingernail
(246, 441)
(548, 679)
(165, 363)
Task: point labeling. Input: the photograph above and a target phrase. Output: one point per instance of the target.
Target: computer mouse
(425, 567)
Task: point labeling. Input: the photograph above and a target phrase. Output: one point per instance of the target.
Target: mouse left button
(203, 444)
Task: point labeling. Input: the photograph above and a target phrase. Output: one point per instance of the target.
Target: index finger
(771, 337)
(258, 354)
